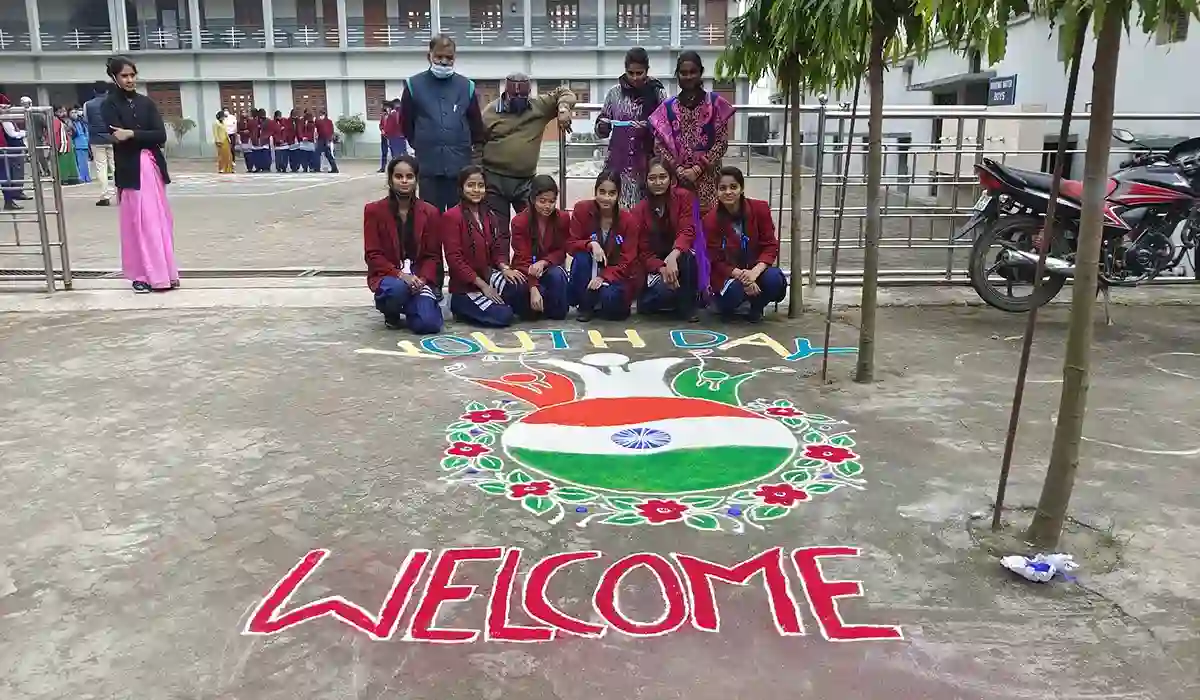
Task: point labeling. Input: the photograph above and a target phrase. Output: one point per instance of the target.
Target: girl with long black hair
(539, 244)
(605, 259)
(483, 288)
(400, 233)
(668, 240)
(742, 248)
(624, 121)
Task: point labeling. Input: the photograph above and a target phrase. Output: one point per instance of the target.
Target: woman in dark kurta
(742, 248)
(606, 272)
(539, 243)
(624, 122)
(400, 233)
(668, 235)
(484, 288)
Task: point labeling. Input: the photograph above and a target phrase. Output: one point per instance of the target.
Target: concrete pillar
(435, 17)
(676, 23)
(114, 26)
(194, 19)
(600, 21)
(528, 23)
(343, 42)
(268, 25)
(35, 25)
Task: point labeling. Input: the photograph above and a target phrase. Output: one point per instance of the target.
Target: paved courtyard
(165, 468)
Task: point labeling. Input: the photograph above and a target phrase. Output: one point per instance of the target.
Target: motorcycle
(1150, 198)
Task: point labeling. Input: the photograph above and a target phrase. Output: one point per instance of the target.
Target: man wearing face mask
(442, 120)
(514, 124)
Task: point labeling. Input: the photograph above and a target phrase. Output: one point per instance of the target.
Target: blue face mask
(440, 71)
(518, 104)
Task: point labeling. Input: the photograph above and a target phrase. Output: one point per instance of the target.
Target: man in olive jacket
(513, 126)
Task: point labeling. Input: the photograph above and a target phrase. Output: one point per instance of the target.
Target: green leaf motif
(623, 502)
(848, 469)
(494, 427)
(743, 496)
(797, 423)
(485, 439)
(518, 476)
(781, 403)
(625, 519)
(476, 406)
(807, 462)
(843, 441)
(799, 476)
(491, 463)
(822, 487)
(768, 512)
(495, 488)
(461, 425)
(818, 418)
(813, 436)
(702, 502)
(702, 521)
(455, 462)
(458, 436)
(574, 495)
(537, 504)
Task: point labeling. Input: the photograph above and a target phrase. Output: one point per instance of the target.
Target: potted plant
(350, 127)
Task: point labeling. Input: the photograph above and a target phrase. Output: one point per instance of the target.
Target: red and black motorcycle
(1151, 198)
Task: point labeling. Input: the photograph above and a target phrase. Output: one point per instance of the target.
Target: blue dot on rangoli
(827, 476)
(472, 471)
(735, 511)
(580, 509)
(641, 438)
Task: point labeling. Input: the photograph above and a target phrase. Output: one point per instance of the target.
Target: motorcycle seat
(1033, 179)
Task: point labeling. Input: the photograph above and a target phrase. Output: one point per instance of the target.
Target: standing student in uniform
(306, 137)
(742, 248)
(482, 290)
(606, 272)
(539, 243)
(243, 140)
(392, 127)
(442, 120)
(281, 140)
(403, 251)
(324, 126)
(668, 237)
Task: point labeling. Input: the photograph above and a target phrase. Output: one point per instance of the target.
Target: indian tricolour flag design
(650, 444)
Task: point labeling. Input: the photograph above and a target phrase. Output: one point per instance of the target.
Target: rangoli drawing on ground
(606, 440)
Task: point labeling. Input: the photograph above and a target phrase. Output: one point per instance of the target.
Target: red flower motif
(532, 488)
(829, 453)
(491, 415)
(467, 449)
(784, 412)
(780, 495)
(659, 511)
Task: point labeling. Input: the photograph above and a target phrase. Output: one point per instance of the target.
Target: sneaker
(12, 206)
(394, 323)
(142, 288)
(174, 284)
(103, 203)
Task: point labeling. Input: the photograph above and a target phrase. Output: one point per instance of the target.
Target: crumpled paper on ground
(1040, 568)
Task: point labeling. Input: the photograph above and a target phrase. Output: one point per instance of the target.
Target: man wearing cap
(514, 125)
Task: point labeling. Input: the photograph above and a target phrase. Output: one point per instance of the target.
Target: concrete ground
(165, 467)
(298, 220)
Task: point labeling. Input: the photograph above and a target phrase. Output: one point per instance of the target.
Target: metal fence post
(562, 168)
(32, 137)
(817, 171)
(955, 179)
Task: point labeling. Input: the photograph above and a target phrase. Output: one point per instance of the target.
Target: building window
(166, 97)
(414, 14)
(581, 88)
(690, 18)
(376, 95)
(563, 14)
(309, 95)
(1173, 27)
(633, 14)
(238, 98)
(486, 14)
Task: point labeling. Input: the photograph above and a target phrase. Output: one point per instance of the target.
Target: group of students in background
(293, 143)
(600, 258)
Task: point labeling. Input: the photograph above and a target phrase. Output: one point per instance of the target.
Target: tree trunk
(795, 125)
(1051, 513)
(865, 372)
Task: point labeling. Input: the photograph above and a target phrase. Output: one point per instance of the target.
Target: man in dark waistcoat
(443, 124)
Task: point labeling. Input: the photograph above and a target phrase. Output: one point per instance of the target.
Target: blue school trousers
(475, 308)
(553, 286)
(772, 285)
(394, 298)
(657, 297)
(607, 302)
(282, 160)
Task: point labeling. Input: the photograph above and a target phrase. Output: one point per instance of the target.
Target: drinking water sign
(1002, 91)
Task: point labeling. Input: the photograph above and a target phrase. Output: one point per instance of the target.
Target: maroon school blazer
(679, 225)
(383, 245)
(552, 245)
(763, 244)
(469, 252)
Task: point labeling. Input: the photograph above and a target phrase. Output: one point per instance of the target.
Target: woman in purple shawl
(691, 135)
(624, 121)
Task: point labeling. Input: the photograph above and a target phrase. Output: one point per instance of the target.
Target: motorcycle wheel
(1019, 230)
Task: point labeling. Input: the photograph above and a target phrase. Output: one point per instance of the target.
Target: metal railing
(928, 181)
(30, 178)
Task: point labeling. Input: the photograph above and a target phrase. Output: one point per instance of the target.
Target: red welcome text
(685, 583)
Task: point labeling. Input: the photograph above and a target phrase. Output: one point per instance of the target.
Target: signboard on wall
(1002, 91)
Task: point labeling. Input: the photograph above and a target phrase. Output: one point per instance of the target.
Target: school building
(346, 56)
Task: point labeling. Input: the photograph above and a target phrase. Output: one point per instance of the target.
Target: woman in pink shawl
(691, 135)
(140, 174)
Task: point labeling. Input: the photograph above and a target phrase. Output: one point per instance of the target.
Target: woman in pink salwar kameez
(140, 174)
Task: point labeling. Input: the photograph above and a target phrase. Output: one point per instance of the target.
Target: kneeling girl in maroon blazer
(606, 272)
(539, 243)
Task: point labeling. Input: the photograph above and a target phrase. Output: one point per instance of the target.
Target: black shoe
(380, 170)
(142, 288)
(174, 284)
(103, 203)
(394, 323)
(12, 206)
(583, 316)
(754, 315)
(23, 196)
